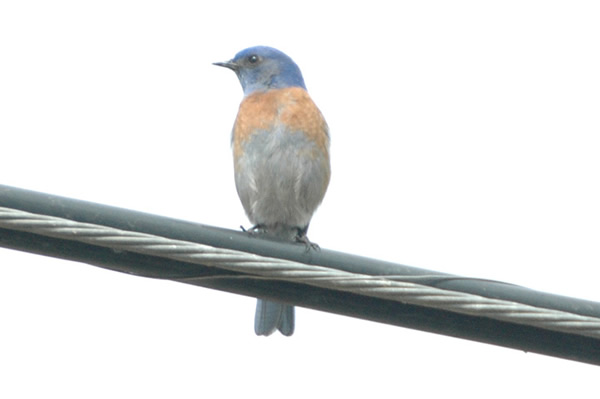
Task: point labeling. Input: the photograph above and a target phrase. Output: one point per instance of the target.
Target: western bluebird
(280, 146)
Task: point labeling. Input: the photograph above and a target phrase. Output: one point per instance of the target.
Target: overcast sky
(465, 139)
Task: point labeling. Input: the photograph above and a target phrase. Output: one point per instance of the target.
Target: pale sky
(465, 139)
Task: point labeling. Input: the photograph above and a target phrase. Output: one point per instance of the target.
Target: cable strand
(387, 287)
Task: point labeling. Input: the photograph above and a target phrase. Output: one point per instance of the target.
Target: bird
(280, 144)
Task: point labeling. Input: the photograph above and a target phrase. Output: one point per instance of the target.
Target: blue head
(262, 68)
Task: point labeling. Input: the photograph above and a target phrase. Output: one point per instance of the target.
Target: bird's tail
(271, 316)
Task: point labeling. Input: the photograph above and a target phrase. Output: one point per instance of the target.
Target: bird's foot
(301, 237)
(256, 229)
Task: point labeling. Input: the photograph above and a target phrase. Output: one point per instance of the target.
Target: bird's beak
(227, 64)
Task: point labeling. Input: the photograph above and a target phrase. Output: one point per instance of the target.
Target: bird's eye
(253, 59)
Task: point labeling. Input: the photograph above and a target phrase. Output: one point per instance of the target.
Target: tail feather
(271, 316)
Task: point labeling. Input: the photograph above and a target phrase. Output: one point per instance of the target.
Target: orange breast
(292, 107)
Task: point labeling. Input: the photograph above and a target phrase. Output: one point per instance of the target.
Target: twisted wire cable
(386, 287)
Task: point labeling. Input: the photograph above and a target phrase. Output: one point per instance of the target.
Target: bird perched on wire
(280, 146)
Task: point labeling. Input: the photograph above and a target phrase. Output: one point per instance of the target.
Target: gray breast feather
(281, 178)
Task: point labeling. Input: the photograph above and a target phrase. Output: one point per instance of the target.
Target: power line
(159, 247)
(385, 287)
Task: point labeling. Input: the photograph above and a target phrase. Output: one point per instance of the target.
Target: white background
(465, 139)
